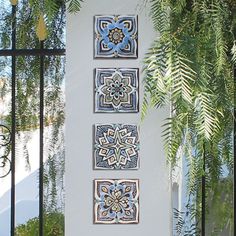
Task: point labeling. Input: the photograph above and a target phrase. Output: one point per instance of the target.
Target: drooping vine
(190, 66)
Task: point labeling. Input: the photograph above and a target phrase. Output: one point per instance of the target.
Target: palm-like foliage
(190, 66)
(74, 5)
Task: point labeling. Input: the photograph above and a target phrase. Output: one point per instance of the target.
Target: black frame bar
(234, 151)
(204, 194)
(13, 122)
(32, 52)
(13, 53)
(41, 141)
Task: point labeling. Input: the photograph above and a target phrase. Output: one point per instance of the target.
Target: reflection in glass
(54, 167)
(5, 177)
(27, 144)
(187, 205)
(27, 120)
(220, 206)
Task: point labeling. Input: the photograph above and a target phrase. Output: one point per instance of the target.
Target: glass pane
(5, 24)
(54, 171)
(184, 203)
(27, 141)
(25, 29)
(27, 20)
(187, 206)
(57, 32)
(220, 206)
(27, 122)
(5, 119)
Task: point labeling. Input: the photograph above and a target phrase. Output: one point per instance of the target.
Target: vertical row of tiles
(116, 146)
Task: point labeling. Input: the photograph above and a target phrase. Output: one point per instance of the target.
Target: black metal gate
(8, 134)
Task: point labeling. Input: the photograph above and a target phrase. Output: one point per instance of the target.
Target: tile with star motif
(116, 36)
(116, 90)
(116, 146)
(116, 201)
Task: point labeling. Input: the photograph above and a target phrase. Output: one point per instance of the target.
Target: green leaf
(182, 75)
(74, 5)
(206, 122)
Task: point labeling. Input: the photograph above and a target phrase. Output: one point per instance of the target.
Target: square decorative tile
(116, 146)
(116, 90)
(116, 36)
(116, 201)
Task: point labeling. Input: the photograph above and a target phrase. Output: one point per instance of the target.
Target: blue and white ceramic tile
(116, 146)
(116, 201)
(116, 36)
(116, 90)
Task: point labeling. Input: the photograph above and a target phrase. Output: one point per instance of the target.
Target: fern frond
(233, 53)
(180, 5)
(221, 49)
(155, 83)
(194, 175)
(173, 135)
(207, 123)
(144, 109)
(218, 13)
(51, 8)
(159, 14)
(74, 5)
(182, 74)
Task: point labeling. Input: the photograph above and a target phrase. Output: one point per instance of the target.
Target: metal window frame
(13, 53)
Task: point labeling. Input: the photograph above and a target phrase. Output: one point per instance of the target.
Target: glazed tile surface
(116, 90)
(116, 36)
(116, 146)
(116, 201)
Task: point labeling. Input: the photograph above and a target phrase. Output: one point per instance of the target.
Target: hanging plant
(191, 67)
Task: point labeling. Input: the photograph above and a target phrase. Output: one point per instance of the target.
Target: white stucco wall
(155, 196)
